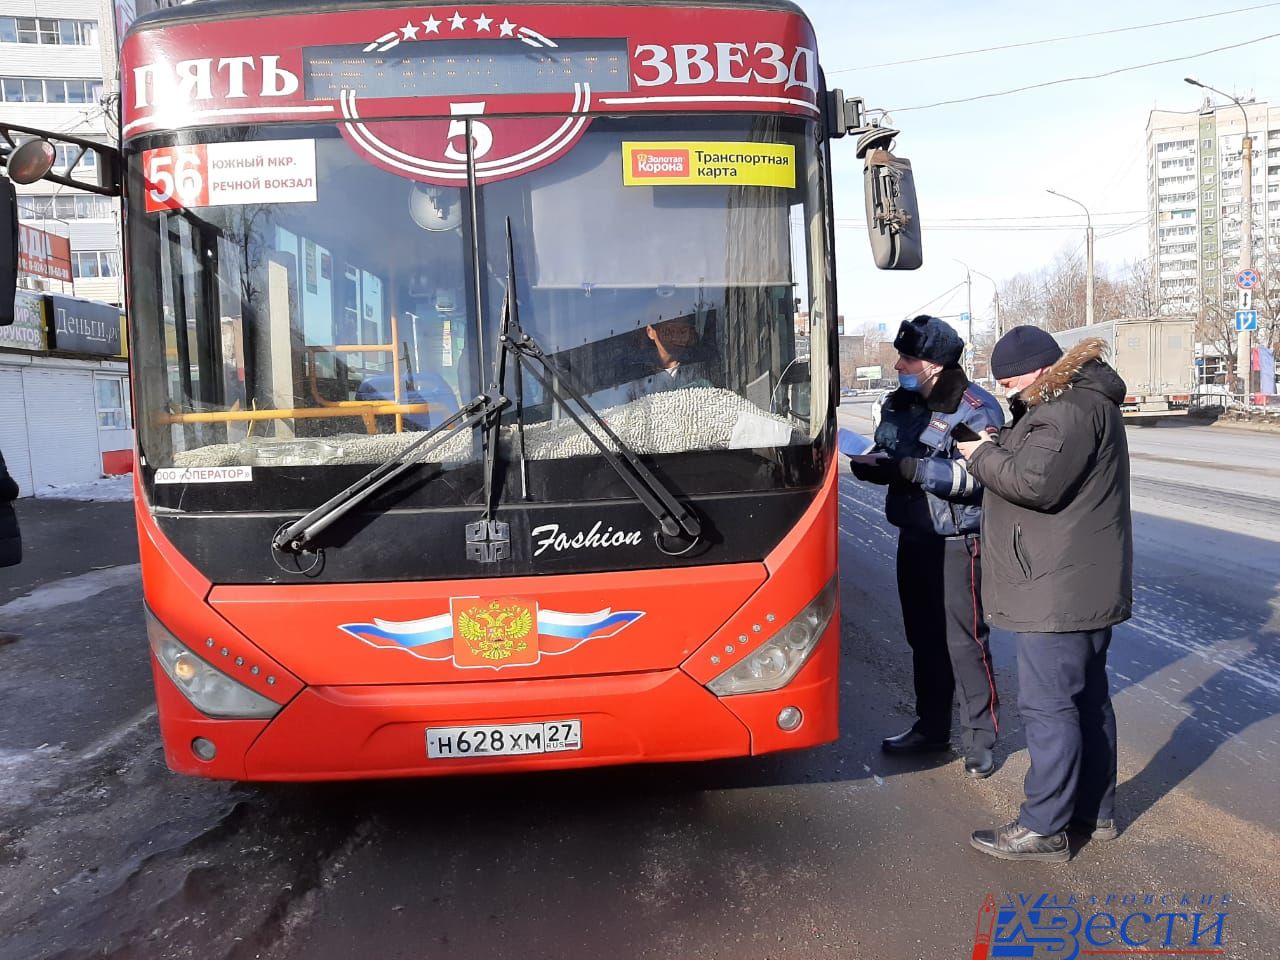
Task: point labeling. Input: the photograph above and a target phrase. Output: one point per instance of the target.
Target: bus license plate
(507, 740)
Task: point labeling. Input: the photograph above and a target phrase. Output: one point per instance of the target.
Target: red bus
(484, 363)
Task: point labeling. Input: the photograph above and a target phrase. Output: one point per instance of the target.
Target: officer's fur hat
(928, 338)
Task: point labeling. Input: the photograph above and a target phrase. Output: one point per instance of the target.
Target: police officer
(1059, 572)
(935, 504)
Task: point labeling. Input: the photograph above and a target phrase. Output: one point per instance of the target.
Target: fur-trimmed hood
(1083, 366)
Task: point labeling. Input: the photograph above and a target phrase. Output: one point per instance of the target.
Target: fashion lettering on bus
(549, 537)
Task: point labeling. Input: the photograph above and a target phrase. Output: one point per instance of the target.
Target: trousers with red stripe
(940, 588)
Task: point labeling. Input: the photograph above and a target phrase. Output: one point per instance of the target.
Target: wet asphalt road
(838, 852)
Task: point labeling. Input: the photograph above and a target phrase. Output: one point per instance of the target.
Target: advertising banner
(82, 326)
(679, 163)
(28, 329)
(43, 254)
(869, 373)
(471, 68)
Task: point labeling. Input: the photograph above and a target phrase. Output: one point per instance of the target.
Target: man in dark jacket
(1058, 570)
(10, 536)
(934, 503)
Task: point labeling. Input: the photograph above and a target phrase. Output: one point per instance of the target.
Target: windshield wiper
(675, 519)
(498, 387)
(300, 536)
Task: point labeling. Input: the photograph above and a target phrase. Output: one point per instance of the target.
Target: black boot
(1015, 842)
(979, 763)
(913, 742)
(1095, 829)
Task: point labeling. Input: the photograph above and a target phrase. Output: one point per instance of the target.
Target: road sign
(1246, 320)
(1244, 300)
(964, 318)
(1247, 279)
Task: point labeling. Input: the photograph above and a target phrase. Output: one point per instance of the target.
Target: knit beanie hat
(1022, 350)
(928, 338)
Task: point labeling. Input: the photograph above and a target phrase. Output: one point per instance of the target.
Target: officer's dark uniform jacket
(1057, 537)
(942, 497)
(10, 536)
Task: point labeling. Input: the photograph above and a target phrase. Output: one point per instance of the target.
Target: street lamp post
(1244, 338)
(971, 346)
(1088, 236)
(996, 297)
(968, 338)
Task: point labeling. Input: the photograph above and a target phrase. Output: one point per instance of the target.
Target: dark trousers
(940, 587)
(1065, 704)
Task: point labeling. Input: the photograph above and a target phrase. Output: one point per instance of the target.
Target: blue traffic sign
(964, 318)
(1246, 320)
(1247, 279)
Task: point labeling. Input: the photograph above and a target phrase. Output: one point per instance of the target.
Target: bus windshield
(662, 263)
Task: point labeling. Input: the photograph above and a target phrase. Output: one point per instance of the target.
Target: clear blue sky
(995, 158)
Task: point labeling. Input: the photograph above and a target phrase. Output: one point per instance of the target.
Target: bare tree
(1054, 296)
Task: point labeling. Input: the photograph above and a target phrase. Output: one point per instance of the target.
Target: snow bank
(116, 489)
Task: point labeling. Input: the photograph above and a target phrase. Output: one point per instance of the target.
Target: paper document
(852, 444)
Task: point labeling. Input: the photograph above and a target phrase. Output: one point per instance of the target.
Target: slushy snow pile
(119, 489)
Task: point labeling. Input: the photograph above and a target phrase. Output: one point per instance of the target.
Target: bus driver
(678, 360)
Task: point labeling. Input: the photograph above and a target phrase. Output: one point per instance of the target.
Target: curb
(1249, 426)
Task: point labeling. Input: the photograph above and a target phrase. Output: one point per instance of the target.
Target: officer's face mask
(915, 382)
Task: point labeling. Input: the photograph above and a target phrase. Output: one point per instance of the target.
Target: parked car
(877, 401)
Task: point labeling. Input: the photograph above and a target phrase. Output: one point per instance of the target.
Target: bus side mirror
(8, 250)
(893, 217)
(840, 115)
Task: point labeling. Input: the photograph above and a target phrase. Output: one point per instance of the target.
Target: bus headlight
(210, 691)
(781, 656)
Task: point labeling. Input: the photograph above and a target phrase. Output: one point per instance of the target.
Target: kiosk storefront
(65, 416)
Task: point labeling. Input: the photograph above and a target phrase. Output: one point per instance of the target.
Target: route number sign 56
(177, 177)
(218, 174)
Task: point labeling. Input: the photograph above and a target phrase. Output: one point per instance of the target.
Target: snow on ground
(107, 488)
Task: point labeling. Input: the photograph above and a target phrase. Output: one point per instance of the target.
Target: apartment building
(51, 78)
(1194, 182)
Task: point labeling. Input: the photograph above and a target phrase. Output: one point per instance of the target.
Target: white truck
(1154, 356)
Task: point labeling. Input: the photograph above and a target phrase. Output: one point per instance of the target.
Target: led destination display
(449, 68)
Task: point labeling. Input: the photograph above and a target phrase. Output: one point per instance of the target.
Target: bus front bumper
(358, 732)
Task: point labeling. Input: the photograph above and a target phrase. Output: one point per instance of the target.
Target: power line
(985, 228)
(951, 290)
(1092, 76)
(1145, 221)
(1118, 216)
(1037, 216)
(1034, 43)
(82, 118)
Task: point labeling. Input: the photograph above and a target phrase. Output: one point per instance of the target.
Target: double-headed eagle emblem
(496, 632)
